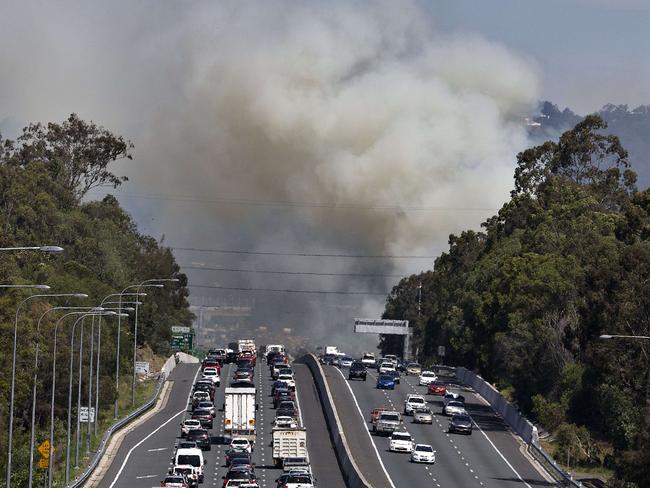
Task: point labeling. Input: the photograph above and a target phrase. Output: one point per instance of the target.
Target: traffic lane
(489, 442)
(448, 471)
(356, 430)
(321, 451)
(145, 468)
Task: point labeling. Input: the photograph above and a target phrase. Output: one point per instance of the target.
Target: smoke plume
(374, 133)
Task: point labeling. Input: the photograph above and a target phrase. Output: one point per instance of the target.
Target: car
(452, 396)
(242, 384)
(423, 416)
(357, 370)
(423, 453)
(437, 388)
(386, 366)
(208, 405)
(201, 438)
(189, 424)
(175, 481)
(212, 374)
(368, 359)
(345, 362)
(242, 375)
(387, 423)
(241, 484)
(298, 480)
(232, 454)
(385, 382)
(396, 376)
(401, 366)
(454, 407)
(427, 377)
(461, 423)
(209, 389)
(241, 475)
(242, 444)
(288, 379)
(400, 442)
(374, 413)
(203, 415)
(198, 397)
(391, 357)
(285, 422)
(413, 403)
(189, 472)
(414, 369)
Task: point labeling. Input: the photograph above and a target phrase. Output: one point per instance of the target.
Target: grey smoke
(362, 103)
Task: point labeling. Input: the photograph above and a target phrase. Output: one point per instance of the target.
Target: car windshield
(174, 479)
(428, 374)
(385, 378)
(462, 418)
(413, 365)
(424, 448)
(205, 404)
(416, 400)
(391, 417)
(401, 437)
(192, 423)
(298, 479)
(455, 404)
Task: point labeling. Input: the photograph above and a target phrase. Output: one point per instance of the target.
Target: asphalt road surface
(145, 454)
(490, 457)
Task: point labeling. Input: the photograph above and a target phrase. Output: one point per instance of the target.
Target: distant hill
(632, 126)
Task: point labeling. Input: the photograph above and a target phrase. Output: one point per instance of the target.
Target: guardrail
(164, 374)
(552, 468)
(351, 473)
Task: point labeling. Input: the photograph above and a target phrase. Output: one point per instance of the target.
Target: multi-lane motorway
(490, 457)
(145, 454)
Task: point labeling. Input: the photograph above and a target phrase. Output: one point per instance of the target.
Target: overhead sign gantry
(386, 327)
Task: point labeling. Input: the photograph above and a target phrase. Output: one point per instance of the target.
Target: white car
(346, 362)
(213, 375)
(413, 403)
(284, 422)
(241, 444)
(454, 407)
(427, 377)
(401, 442)
(288, 379)
(386, 366)
(298, 480)
(189, 424)
(369, 359)
(175, 481)
(423, 453)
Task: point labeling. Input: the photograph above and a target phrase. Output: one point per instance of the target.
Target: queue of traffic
(388, 421)
(239, 430)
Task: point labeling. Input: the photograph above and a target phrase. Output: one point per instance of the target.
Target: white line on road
(365, 427)
(157, 449)
(146, 476)
(128, 455)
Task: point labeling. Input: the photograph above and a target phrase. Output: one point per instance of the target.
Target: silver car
(423, 416)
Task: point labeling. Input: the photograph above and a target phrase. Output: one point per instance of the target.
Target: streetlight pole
(617, 336)
(13, 367)
(50, 249)
(157, 283)
(96, 310)
(36, 354)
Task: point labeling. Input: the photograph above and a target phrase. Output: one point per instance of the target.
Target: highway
(490, 457)
(145, 454)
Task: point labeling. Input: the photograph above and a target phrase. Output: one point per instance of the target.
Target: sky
(588, 52)
(357, 128)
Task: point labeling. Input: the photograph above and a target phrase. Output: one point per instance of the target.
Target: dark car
(460, 423)
(232, 454)
(286, 412)
(357, 370)
(243, 375)
(231, 357)
(242, 384)
(279, 384)
(281, 395)
(245, 363)
(395, 374)
(201, 437)
(203, 415)
(238, 474)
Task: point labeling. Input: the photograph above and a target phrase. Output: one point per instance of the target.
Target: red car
(437, 388)
(212, 364)
(374, 414)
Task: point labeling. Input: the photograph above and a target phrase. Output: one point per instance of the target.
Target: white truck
(239, 413)
(289, 444)
(334, 350)
(246, 345)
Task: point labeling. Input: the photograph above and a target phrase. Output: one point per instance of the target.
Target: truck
(239, 413)
(387, 423)
(289, 444)
(246, 345)
(334, 350)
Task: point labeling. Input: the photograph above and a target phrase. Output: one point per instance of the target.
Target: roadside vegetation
(45, 175)
(524, 301)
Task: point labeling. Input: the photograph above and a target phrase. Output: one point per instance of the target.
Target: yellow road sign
(44, 449)
(44, 463)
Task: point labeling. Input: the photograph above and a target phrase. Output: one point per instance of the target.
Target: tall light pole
(617, 336)
(117, 352)
(36, 353)
(158, 283)
(50, 249)
(96, 310)
(13, 368)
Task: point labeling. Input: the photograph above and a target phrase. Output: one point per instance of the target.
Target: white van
(193, 457)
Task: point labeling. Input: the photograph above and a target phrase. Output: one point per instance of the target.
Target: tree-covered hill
(44, 176)
(524, 301)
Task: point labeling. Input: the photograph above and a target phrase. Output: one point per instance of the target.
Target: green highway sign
(184, 341)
